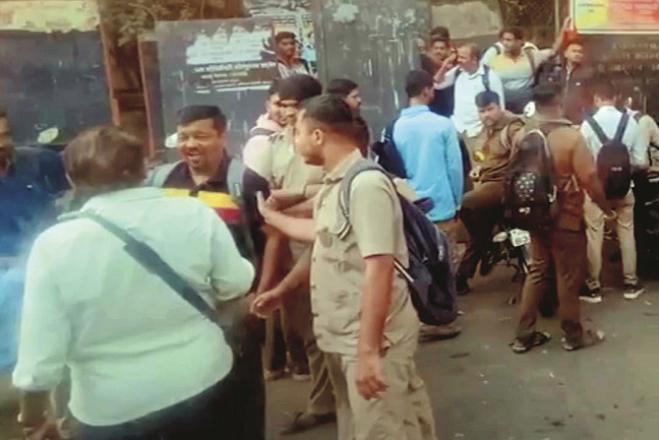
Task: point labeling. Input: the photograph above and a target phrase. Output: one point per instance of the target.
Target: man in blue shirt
(428, 144)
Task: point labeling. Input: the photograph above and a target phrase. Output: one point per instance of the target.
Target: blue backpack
(429, 275)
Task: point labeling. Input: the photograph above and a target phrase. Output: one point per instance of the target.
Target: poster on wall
(233, 58)
(226, 63)
(290, 16)
(616, 16)
(53, 15)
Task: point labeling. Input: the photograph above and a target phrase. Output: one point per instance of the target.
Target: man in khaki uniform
(482, 207)
(293, 181)
(564, 245)
(363, 316)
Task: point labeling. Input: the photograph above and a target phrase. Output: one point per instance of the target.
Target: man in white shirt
(144, 362)
(269, 123)
(470, 78)
(608, 118)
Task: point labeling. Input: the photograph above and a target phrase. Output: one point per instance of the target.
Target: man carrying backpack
(364, 319)
(271, 122)
(614, 140)
(469, 78)
(545, 194)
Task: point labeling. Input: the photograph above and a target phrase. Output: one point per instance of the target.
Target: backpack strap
(389, 132)
(235, 176)
(359, 167)
(159, 175)
(597, 129)
(486, 77)
(261, 131)
(529, 55)
(622, 127)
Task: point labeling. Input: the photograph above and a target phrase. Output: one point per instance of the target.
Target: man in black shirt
(207, 172)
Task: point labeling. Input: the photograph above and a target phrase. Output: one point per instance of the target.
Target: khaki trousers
(594, 216)
(403, 412)
(482, 210)
(453, 230)
(300, 322)
(565, 251)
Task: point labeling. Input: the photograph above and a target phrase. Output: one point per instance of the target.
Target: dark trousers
(566, 251)
(203, 417)
(466, 164)
(274, 350)
(246, 387)
(482, 210)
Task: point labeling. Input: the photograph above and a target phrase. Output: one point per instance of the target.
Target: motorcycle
(512, 248)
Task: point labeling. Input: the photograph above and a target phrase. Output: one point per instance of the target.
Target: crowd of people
(164, 298)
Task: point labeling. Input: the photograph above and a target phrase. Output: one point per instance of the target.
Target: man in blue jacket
(30, 179)
(428, 144)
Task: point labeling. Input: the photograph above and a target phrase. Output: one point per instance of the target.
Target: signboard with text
(616, 16)
(228, 63)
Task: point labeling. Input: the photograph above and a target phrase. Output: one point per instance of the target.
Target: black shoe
(591, 296)
(462, 285)
(633, 291)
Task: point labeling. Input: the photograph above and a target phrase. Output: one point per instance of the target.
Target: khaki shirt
(574, 166)
(496, 149)
(289, 171)
(337, 268)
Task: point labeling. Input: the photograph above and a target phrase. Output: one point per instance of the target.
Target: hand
(451, 60)
(283, 199)
(610, 215)
(47, 430)
(567, 24)
(370, 380)
(266, 303)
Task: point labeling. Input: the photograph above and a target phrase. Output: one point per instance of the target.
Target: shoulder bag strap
(486, 77)
(152, 262)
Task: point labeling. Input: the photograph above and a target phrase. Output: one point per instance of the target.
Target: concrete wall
(375, 44)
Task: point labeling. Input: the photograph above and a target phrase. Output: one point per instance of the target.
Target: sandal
(588, 339)
(536, 340)
(303, 421)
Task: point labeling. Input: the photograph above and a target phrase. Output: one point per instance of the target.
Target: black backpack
(614, 166)
(387, 154)
(530, 191)
(429, 276)
(485, 76)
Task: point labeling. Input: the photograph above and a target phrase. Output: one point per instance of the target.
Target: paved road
(481, 391)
